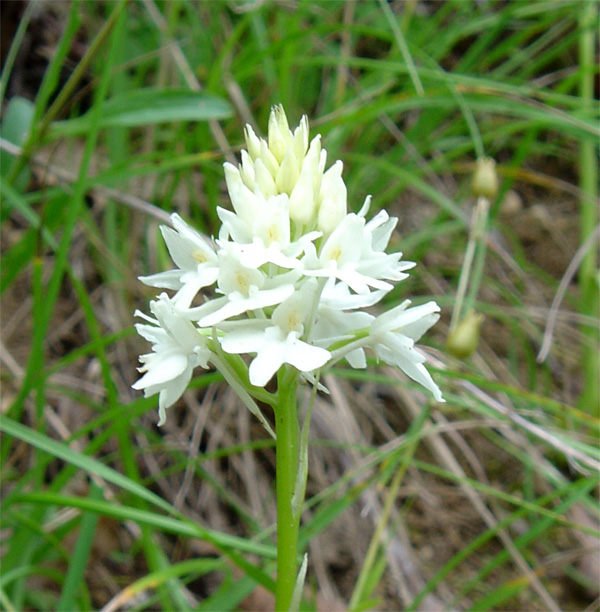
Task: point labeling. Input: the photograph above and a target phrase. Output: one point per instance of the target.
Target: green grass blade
(179, 526)
(89, 464)
(573, 491)
(148, 106)
(79, 559)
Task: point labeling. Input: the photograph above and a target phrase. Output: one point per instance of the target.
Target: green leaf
(149, 106)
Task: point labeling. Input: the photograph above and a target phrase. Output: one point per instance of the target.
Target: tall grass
(486, 503)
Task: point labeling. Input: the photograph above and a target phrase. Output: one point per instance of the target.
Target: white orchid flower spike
(287, 280)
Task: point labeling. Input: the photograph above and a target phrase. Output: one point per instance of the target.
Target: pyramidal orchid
(285, 284)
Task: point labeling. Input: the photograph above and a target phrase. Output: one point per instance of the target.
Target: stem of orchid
(301, 479)
(288, 521)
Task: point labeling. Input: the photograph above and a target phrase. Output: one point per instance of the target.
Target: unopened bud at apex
(280, 136)
(463, 340)
(485, 179)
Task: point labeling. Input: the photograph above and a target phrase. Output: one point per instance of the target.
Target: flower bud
(268, 158)
(279, 132)
(300, 140)
(246, 170)
(287, 175)
(485, 179)
(463, 340)
(332, 208)
(264, 180)
(243, 200)
(302, 198)
(252, 142)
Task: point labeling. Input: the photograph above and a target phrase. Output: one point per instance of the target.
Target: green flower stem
(588, 182)
(288, 521)
(302, 478)
(476, 248)
(480, 237)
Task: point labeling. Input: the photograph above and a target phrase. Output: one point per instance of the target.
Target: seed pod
(485, 179)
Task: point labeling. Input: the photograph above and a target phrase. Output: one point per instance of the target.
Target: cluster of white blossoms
(291, 272)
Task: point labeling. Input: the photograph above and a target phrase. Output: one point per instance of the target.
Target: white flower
(177, 349)
(377, 235)
(348, 255)
(280, 343)
(393, 335)
(195, 258)
(338, 296)
(266, 237)
(333, 326)
(273, 348)
(245, 289)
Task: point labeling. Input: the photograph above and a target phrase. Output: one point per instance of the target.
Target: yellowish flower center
(243, 282)
(336, 253)
(200, 256)
(273, 234)
(294, 322)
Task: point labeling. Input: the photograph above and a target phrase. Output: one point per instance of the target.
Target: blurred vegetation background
(115, 114)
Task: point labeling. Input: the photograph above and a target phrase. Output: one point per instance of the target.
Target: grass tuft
(115, 114)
